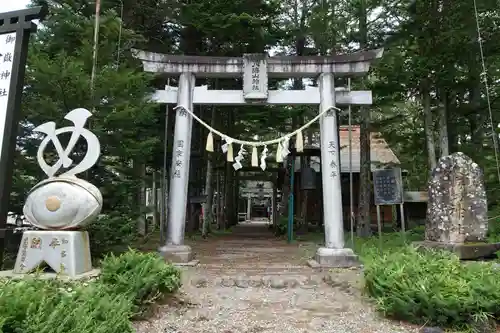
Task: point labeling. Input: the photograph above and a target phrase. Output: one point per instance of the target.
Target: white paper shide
(7, 48)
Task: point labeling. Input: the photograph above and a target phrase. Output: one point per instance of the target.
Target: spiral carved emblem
(65, 201)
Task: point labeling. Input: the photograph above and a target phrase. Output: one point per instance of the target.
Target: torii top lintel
(21, 19)
(354, 64)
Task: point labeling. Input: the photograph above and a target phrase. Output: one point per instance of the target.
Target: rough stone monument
(457, 211)
(62, 204)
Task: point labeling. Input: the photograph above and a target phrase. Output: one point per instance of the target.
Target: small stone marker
(457, 211)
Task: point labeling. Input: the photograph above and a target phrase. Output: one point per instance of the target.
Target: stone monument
(457, 211)
(62, 204)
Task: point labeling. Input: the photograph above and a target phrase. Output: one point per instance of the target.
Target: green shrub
(16, 297)
(281, 228)
(84, 310)
(43, 306)
(142, 276)
(494, 224)
(432, 287)
(391, 241)
(111, 234)
(128, 283)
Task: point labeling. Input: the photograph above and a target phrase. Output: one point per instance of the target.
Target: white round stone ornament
(62, 203)
(65, 201)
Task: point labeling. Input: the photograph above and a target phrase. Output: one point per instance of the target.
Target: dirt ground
(249, 282)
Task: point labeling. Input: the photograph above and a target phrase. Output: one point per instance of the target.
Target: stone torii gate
(255, 70)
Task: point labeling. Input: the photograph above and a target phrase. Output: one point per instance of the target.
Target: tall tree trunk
(222, 200)
(428, 125)
(209, 189)
(196, 184)
(452, 129)
(444, 146)
(229, 183)
(154, 195)
(169, 130)
(301, 195)
(236, 197)
(363, 227)
(140, 172)
(300, 43)
(475, 117)
(286, 181)
(220, 197)
(304, 163)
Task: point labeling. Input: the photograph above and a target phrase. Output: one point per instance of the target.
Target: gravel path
(281, 306)
(254, 286)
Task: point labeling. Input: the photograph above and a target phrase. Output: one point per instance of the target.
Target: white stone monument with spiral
(60, 205)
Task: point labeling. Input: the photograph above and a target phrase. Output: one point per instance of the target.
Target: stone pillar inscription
(330, 165)
(179, 174)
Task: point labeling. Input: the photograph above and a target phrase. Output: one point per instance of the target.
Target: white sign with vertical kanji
(255, 81)
(7, 48)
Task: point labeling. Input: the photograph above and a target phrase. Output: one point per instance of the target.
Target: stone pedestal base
(177, 254)
(92, 274)
(66, 252)
(340, 258)
(465, 251)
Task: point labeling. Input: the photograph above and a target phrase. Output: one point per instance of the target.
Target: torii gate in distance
(255, 69)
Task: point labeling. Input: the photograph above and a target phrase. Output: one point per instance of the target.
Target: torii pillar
(255, 70)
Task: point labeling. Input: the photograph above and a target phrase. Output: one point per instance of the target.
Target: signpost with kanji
(15, 30)
(7, 48)
(388, 190)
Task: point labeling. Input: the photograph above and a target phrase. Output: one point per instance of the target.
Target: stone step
(267, 266)
(252, 271)
(346, 281)
(216, 273)
(258, 281)
(326, 280)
